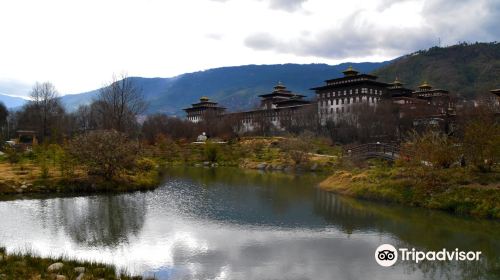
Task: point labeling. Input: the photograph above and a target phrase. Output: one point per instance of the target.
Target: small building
(25, 139)
(203, 110)
(279, 108)
(281, 97)
(438, 98)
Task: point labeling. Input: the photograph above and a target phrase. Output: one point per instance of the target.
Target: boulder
(261, 166)
(55, 267)
(80, 269)
(61, 277)
(314, 167)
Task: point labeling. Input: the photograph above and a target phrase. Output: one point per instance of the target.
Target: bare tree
(120, 102)
(4, 113)
(44, 113)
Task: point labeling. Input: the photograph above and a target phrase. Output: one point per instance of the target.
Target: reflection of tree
(106, 220)
(422, 229)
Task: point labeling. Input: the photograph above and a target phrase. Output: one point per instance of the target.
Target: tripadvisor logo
(387, 255)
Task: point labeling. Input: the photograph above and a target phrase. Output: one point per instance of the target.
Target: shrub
(104, 153)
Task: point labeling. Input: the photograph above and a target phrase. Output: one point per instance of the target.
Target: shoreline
(389, 185)
(27, 265)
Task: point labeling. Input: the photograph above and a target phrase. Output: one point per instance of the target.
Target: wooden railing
(373, 150)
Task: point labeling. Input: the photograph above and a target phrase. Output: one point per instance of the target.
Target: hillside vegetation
(464, 69)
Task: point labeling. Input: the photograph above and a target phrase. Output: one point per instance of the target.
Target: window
(336, 102)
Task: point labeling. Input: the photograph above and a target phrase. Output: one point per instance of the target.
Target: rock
(80, 269)
(214, 165)
(55, 267)
(24, 187)
(197, 165)
(261, 166)
(80, 277)
(206, 163)
(314, 167)
(61, 277)
(278, 167)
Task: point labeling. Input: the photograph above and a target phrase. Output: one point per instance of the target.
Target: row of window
(347, 81)
(350, 92)
(356, 99)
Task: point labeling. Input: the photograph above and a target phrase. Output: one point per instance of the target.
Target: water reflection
(422, 229)
(103, 221)
(230, 224)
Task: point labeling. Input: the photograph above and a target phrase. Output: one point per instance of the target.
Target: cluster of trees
(475, 142)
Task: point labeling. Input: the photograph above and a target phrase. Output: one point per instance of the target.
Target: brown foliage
(104, 153)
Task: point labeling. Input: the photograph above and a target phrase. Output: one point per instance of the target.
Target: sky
(79, 45)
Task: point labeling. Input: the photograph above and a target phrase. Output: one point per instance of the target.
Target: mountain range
(464, 69)
(11, 101)
(236, 88)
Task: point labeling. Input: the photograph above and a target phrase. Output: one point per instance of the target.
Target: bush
(12, 154)
(104, 153)
(211, 151)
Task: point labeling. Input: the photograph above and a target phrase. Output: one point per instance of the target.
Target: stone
(24, 187)
(61, 277)
(197, 165)
(55, 267)
(314, 167)
(261, 166)
(206, 163)
(80, 269)
(80, 277)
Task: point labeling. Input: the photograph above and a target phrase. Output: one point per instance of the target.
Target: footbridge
(373, 150)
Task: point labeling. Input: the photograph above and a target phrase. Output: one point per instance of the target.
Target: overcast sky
(78, 45)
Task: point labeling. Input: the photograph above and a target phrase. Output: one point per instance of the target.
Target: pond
(225, 223)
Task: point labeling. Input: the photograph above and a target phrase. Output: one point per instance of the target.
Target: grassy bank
(264, 153)
(27, 177)
(48, 169)
(459, 190)
(28, 266)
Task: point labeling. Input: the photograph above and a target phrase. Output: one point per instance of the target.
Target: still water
(232, 224)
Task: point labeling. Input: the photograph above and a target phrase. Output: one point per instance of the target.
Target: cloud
(286, 5)
(360, 35)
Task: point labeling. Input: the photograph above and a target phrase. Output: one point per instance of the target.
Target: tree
(104, 153)
(4, 113)
(482, 139)
(119, 103)
(44, 113)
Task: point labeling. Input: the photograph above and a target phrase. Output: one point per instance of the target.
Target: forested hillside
(464, 69)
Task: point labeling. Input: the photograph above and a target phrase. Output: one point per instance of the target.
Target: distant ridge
(11, 101)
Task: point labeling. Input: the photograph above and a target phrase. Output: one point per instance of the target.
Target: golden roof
(425, 85)
(204, 98)
(397, 82)
(350, 71)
